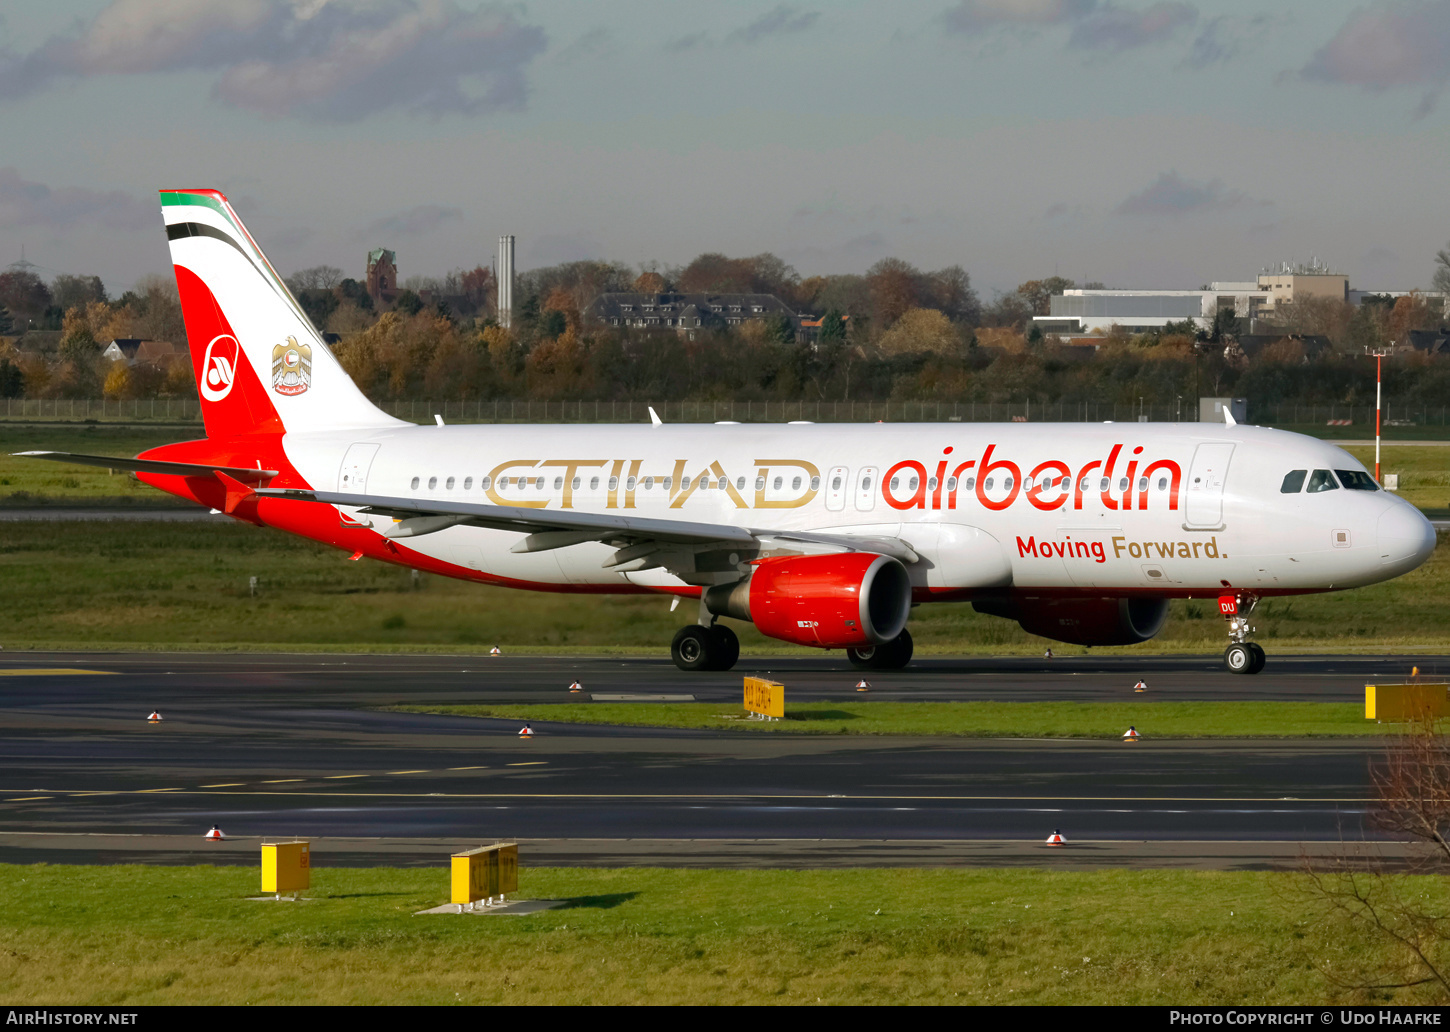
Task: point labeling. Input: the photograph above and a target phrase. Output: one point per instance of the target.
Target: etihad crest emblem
(291, 367)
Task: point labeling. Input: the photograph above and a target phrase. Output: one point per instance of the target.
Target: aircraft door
(866, 488)
(1204, 506)
(353, 477)
(836, 481)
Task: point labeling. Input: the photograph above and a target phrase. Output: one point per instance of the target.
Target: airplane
(820, 535)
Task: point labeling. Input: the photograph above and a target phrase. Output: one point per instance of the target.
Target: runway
(269, 745)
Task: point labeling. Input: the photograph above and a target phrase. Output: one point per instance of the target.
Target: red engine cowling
(1084, 621)
(852, 599)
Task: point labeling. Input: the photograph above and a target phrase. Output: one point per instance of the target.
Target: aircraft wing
(642, 542)
(180, 469)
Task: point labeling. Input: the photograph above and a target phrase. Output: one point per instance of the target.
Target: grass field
(972, 719)
(132, 935)
(139, 585)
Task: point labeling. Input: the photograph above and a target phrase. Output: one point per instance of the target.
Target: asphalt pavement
(274, 745)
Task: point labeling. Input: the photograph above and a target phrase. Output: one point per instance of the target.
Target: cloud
(24, 202)
(420, 219)
(329, 61)
(692, 41)
(779, 21)
(972, 16)
(1391, 43)
(596, 43)
(1117, 28)
(1172, 195)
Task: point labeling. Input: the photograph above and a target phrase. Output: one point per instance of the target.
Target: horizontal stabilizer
(178, 469)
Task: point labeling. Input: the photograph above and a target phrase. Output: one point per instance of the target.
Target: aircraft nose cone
(1406, 538)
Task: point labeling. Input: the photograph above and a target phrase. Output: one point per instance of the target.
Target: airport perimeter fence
(187, 410)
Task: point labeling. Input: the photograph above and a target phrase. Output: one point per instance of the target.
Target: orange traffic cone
(155, 718)
(526, 732)
(1131, 735)
(1056, 839)
(576, 687)
(1141, 686)
(863, 685)
(216, 834)
(494, 651)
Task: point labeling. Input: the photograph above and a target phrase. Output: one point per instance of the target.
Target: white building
(1081, 312)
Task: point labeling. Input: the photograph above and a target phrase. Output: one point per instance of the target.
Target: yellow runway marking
(28, 799)
(229, 784)
(468, 768)
(530, 763)
(407, 772)
(145, 790)
(339, 777)
(77, 795)
(282, 781)
(48, 671)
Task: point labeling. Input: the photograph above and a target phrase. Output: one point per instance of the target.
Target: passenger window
(1293, 481)
(1322, 480)
(558, 483)
(415, 484)
(815, 483)
(760, 483)
(1354, 480)
(795, 483)
(778, 482)
(594, 483)
(449, 484)
(614, 483)
(629, 484)
(467, 483)
(574, 484)
(432, 483)
(740, 483)
(649, 483)
(483, 483)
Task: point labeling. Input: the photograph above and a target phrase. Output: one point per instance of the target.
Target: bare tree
(1411, 788)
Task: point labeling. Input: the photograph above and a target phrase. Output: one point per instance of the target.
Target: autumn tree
(71, 291)
(24, 294)
(921, 330)
(650, 282)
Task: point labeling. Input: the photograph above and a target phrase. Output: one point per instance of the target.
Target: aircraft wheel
(1238, 658)
(693, 648)
(1259, 658)
(727, 647)
(863, 659)
(896, 653)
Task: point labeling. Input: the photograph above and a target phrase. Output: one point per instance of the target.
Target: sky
(1143, 143)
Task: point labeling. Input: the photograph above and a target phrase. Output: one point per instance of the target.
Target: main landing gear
(705, 648)
(1242, 656)
(892, 655)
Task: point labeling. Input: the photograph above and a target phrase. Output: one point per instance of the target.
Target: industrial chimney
(505, 281)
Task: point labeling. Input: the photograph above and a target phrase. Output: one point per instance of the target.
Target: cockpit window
(1356, 480)
(1293, 481)
(1322, 480)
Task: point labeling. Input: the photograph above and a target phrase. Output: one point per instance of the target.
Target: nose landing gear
(1242, 656)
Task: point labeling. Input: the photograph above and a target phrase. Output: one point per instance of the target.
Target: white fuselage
(1188, 509)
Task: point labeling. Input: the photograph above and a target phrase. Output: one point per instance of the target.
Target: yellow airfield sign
(766, 698)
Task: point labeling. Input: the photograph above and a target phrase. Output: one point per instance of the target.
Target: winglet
(654, 417)
(1228, 417)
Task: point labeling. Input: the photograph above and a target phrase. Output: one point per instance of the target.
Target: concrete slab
(516, 908)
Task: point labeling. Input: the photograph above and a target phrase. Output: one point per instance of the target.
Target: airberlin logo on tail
(219, 367)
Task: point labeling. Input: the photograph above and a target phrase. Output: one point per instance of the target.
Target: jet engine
(1083, 621)
(843, 600)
